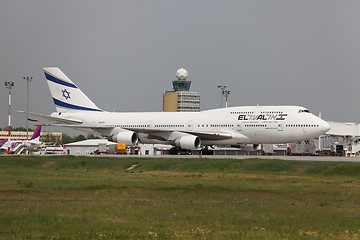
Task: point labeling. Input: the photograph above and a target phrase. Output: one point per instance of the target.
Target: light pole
(9, 85)
(222, 88)
(28, 79)
(226, 93)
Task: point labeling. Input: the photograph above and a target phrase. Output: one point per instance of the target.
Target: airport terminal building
(22, 135)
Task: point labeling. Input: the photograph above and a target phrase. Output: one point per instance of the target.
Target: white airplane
(188, 130)
(30, 144)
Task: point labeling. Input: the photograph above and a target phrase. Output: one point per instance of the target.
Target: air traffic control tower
(181, 99)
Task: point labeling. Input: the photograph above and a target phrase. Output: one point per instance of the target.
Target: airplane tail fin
(66, 95)
(36, 135)
(2, 142)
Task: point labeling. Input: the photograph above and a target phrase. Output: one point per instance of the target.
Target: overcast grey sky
(124, 54)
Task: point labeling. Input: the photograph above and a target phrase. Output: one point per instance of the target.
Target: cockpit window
(304, 111)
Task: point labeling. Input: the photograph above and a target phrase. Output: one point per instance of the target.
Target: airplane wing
(57, 120)
(66, 122)
(76, 126)
(212, 135)
(167, 134)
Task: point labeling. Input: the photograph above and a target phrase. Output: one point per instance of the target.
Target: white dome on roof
(181, 74)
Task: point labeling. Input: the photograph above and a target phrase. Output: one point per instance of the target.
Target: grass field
(71, 197)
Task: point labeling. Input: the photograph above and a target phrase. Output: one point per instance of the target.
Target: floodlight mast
(9, 85)
(28, 79)
(224, 92)
(221, 87)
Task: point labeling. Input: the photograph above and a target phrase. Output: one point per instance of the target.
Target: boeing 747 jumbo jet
(189, 130)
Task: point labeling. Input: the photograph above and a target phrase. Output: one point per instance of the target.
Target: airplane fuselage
(225, 126)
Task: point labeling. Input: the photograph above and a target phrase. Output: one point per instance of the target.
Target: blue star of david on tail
(65, 94)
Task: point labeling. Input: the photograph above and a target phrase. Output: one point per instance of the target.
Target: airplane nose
(324, 126)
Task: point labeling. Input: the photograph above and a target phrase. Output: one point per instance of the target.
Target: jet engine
(188, 142)
(125, 136)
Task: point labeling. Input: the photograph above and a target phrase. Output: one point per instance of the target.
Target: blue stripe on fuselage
(59, 81)
(71, 106)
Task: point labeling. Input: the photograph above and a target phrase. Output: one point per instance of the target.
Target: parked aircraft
(30, 144)
(189, 130)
